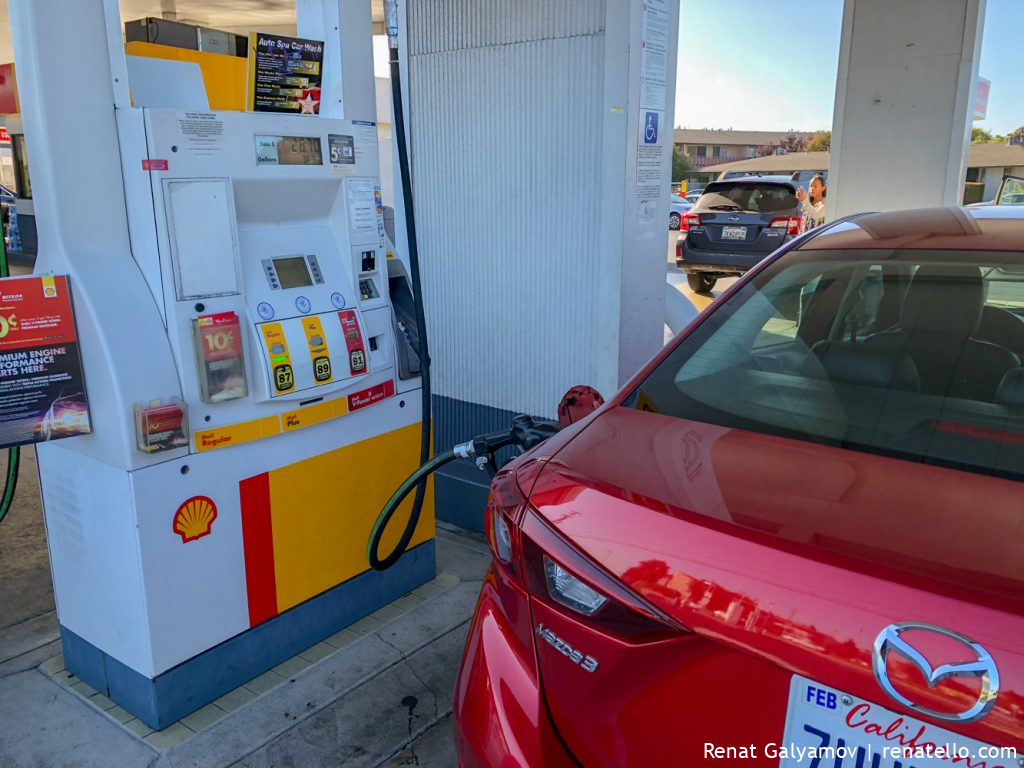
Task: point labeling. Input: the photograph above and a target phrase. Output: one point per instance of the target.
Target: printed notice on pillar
(42, 388)
(653, 121)
(362, 210)
(285, 74)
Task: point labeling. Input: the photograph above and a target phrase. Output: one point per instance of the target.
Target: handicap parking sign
(650, 128)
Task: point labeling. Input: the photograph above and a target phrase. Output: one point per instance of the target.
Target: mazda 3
(794, 538)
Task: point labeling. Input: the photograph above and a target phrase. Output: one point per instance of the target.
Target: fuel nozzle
(526, 432)
(391, 22)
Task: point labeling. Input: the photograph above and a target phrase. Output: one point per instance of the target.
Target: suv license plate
(852, 733)
(734, 233)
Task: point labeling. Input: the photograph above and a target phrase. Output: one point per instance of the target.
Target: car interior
(911, 354)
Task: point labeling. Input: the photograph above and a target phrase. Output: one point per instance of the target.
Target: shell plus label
(319, 354)
(42, 387)
(354, 341)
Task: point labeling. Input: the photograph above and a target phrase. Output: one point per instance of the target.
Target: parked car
(678, 207)
(735, 224)
(1010, 192)
(798, 527)
(693, 195)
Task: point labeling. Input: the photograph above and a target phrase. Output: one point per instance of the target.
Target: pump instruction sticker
(42, 387)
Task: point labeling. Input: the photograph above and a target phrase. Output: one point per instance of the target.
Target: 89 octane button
(302, 304)
(338, 300)
(264, 310)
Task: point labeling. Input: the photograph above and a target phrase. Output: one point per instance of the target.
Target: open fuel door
(1011, 191)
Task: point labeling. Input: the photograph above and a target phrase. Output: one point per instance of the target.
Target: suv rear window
(910, 354)
(755, 198)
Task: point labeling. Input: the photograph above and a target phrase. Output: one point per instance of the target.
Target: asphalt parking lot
(677, 278)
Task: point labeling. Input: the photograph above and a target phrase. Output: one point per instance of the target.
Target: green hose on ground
(14, 454)
(372, 548)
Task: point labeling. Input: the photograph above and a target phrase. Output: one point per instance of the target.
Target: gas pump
(230, 278)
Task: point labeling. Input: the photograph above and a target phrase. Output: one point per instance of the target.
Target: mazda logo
(980, 666)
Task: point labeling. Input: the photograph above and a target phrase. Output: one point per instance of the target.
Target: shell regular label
(354, 341)
(281, 373)
(194, 518)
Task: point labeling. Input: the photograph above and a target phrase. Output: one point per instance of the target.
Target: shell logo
(194, 518)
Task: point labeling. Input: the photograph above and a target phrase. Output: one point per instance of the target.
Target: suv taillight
(792, 224)
(690, 220)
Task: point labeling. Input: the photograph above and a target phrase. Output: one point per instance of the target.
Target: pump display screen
(289, 150)
(292, 272)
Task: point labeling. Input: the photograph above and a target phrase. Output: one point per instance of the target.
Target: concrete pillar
(541, 155)
(904, 97)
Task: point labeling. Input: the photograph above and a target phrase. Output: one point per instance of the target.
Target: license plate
(734, 233)
(826, 728)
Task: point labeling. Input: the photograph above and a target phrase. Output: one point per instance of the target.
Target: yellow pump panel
(224, 76)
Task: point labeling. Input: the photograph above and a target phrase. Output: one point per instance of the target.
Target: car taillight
(505, 505)
(555, 572)
(690, 220)
(792, 224)
(566, 589)
(529, 552)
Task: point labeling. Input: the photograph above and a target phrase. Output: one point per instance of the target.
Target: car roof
(995, 228)
(756, 180)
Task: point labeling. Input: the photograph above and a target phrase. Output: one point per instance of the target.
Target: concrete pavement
(384, 698)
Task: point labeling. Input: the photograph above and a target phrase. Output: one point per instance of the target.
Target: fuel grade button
(302, 304)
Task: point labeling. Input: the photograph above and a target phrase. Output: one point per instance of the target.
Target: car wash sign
(42, 390)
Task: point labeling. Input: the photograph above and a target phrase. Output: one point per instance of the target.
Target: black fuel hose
(419, 478)
(14, 454)
(416, 480)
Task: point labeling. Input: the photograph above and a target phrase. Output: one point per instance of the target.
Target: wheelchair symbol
(651, 128)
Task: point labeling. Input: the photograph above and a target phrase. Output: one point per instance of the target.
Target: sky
(752, 65)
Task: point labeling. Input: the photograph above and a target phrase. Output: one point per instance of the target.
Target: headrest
(944, 299)
(1011, 389)
(874, 366)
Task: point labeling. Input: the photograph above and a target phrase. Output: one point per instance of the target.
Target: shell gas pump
(250, 413)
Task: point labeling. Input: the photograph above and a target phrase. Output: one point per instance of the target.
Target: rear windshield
(753, 198)
(911, 354)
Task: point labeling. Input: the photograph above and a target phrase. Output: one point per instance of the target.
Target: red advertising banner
(42, 387)
(366, 397)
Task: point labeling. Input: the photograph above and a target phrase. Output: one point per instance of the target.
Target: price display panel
(289, 150)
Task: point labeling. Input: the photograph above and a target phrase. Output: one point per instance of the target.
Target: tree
(680, 163)
(793, 143)
(981, 136)
(820, 142)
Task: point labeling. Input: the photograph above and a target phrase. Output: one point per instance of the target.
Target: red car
(795, 538)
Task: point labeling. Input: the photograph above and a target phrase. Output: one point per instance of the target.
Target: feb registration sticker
(828, 728)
